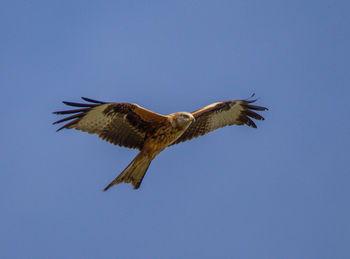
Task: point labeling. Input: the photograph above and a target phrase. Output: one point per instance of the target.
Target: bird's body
(132, 126)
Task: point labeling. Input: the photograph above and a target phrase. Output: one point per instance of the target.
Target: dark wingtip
(59, 128)
(92, 100)
(79, 104)
(108, 186)
(136, 186)
(250, 100)
(77, 113)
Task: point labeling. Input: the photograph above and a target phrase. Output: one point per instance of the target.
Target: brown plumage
(132, 126)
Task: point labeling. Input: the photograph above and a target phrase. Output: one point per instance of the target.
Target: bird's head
(182, 119)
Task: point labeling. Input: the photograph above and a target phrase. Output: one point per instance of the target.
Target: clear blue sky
(280, 191)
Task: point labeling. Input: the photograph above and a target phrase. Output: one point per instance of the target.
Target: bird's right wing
(122, 124)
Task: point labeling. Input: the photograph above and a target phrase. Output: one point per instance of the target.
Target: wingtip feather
(92, 100)
(84, 108)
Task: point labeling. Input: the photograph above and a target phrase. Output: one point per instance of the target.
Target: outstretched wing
(221, 114)
(122, 124)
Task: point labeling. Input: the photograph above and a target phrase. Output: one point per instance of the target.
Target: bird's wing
(122, 124)
(221, 114)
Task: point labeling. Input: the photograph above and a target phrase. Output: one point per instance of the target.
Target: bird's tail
(134, 172)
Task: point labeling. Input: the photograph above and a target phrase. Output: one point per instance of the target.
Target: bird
(132, 126)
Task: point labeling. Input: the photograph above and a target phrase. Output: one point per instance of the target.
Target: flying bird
(129, 125)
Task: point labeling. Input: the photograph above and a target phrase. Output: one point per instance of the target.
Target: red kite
(129, 125)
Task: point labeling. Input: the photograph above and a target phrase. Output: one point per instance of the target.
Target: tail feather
(134, 172)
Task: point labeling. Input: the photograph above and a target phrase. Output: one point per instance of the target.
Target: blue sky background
(281, 191)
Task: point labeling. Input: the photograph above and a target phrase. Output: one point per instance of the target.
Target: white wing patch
(228, 117)
(94, 120)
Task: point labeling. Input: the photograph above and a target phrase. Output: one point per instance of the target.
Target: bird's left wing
(221, 114)
(123, 124)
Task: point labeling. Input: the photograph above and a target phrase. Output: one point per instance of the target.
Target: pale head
(181, 120)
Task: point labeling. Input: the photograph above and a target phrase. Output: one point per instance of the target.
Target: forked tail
(134, 172)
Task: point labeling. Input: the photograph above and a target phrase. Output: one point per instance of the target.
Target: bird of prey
(129, 125)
